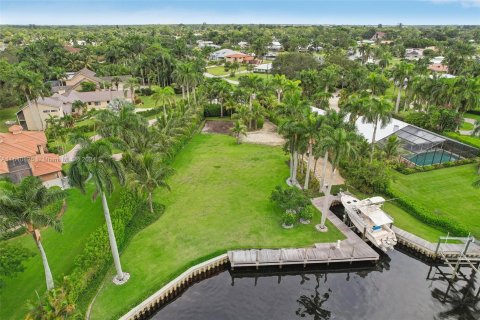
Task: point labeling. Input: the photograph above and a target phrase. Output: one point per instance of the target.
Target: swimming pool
(432, 157)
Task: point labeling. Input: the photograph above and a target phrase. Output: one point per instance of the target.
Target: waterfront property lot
(446, 192)
(219, 201)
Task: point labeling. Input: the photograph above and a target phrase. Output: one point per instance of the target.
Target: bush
(212, 110)
(307, 213)
(289, 218)
(260, 123)
(290, 199)
(151, 112)
(145, 91)
(367, 177)
(444, 223)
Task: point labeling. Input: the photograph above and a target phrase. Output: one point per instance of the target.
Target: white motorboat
(369, 218)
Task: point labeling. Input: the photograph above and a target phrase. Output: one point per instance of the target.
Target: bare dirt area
(267, 135)
(218, 126)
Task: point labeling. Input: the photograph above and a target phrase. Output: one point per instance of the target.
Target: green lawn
(260, 75)
(472, 116)
(448, 192)
(220, 70)
(148, 102)
(81, 218)
(219, 201)
(473, 141)
(466, 126)
(6, 115)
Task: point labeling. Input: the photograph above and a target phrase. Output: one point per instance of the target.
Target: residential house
(437, 60)
(438, 67)
(206, 44)
(221, 54)
(275, 46)
(73, 81)
(71, 49)
(34, 116)
(263, 68)
(271, 55)
(24, 153)
(239, 57)
(379, 35)
(243, 44)
(413, 53)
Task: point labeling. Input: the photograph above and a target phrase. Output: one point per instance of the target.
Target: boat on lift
(369, 218)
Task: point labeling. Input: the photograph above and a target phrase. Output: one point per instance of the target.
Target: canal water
(398, 287)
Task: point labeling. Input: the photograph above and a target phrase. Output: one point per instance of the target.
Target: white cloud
(464, 3)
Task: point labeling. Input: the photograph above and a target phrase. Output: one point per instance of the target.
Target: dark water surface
(396, 288)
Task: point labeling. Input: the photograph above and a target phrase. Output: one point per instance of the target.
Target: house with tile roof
(74, 81)
(24, 153)
(34, 116)
(238, 57)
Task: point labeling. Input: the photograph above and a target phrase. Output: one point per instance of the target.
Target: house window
(89, 103)
(97, 103)
(46, 111)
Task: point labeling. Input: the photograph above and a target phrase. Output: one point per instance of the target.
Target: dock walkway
(351, 249)
(437, 250)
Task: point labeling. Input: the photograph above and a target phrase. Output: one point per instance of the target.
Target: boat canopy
(379, 218)
(376, 200)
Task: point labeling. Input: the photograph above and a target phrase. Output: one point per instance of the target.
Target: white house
(413, 53)
(206, 44)
(243, 44)
(263, 68)
(275, 45)
(437, 60)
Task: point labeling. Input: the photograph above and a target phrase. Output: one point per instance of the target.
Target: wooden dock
(437, 250)
(349, 250)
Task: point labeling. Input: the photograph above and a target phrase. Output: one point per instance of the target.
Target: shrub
(444, 223)
(402, 168)
(307, 213)
(150, 112)
(260, 122)
(212, 110)
(367, 177)
(289, 218)
(145, 91)
(289, 199)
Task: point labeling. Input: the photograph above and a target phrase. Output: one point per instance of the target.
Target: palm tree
(24, 204)
(239, 129)
(278, 83)
(132, 84)
(340, 145)
(377, 83)
(30, 84)
(116, 81)
(355, 105)
(402, 74)
(79, 105)
(313, 124)
(165, 95)
(378, 112)
(95, 162)
(146, 173)
(390, 149)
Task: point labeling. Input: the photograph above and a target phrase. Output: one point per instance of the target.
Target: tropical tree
(391, 147)
(26, 205)
(79, 105)
(340, 144)
(132, 84)
(378, 112)
(402, 75)
(313, 123)
(94, 162)
(164, 95)
(147, 172)
(239, 129)
(377, 83)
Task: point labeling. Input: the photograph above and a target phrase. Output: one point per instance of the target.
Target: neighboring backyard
(81, 218)
(447, 192)
(219, 200)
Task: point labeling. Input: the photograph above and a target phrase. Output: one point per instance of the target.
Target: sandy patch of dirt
(218, 126)
(267, 135)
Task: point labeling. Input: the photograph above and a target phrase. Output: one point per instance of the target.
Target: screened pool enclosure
(421, 147)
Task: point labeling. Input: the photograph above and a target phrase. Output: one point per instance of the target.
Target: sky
(134, 12)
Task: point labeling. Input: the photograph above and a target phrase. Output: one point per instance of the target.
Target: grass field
(220, 70)
(472, 116)
(448, 192)
(81, 218)
(148, 102)
(6, 115)
(219, 201)
(466, 126)
(473, 141)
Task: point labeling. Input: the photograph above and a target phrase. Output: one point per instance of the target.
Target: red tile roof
(71, 49)
(238, 55)
(438, 67)
(42, 164)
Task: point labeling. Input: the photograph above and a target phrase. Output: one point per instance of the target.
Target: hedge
(212, 110)
(410, 170)
(424, 215)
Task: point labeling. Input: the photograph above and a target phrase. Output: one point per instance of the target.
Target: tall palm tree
(132, 84)
(378, 112)
(340, 145)
(95, 162)
(313, 123)
(24, 204)
(402, 74)
(146, 173)
(79, 105)
(30, 84)
(239, 129)
(164, 95)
